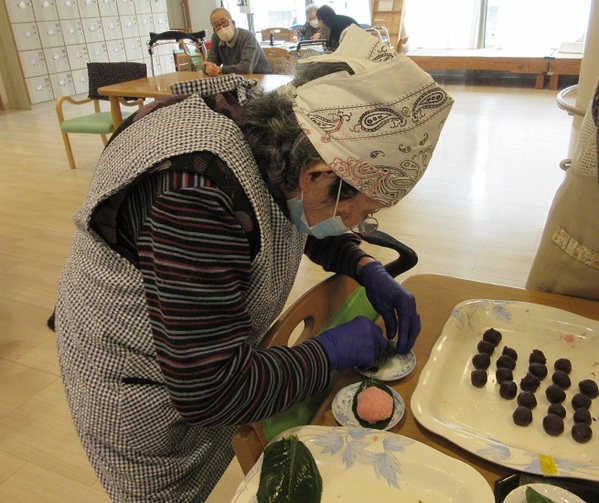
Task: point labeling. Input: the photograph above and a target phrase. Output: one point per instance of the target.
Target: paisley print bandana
(376, 129)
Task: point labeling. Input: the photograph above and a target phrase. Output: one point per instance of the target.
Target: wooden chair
(305, 319)
(279, 60)
(280, 34)
(99, 75)
(193, 56)
(171, 37)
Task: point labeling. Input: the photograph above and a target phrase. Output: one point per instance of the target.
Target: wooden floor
(478, 213)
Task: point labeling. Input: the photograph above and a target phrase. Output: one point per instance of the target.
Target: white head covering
(376, 129)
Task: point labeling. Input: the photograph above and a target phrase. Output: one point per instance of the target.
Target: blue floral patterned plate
(360, 464)
(479, 419)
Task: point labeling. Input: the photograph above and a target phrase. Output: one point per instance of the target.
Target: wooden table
(159, 87)
(562, 63)
(436, 297)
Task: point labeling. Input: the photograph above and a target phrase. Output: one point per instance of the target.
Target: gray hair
(311, 8)
(281, 148)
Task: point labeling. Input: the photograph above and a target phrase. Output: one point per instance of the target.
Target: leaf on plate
(383, 357)
(289, 473)
(533, 496)
(367, 383)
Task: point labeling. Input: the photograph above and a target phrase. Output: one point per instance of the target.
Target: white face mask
(314, 23)
(226, 33)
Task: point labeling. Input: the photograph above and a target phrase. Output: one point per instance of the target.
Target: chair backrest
(106, 74)
(281, 34)
(279, 60)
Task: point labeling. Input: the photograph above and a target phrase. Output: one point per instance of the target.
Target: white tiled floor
(477, 213)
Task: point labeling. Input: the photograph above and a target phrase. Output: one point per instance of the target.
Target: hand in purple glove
(393, 302)
(353, 344)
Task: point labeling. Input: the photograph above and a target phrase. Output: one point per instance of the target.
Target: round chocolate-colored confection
(538, 369)
(580, 400)
(563, 364)
(506, 362)
(530, 383)
(537, 356)
(478, 378)
(508, 389)
(503, 374)
(557, 408)
(481, 361)
(582, 415)
(527, 399)
(522, 416)
(562, 379)
(493, 336)
(581, 432)
(555, 394)
(589, 388)
(553, 424)
(511, 352)
(485, 347)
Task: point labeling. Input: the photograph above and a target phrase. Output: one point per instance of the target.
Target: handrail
(564, 105)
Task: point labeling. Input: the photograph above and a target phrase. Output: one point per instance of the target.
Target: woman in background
(311, 28)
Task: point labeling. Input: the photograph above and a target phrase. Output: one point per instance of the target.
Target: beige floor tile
(35, 483)
(504, 263)
(9, 465)
(18, 385)
(41, 432)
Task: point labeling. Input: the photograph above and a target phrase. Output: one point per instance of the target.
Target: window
(502, 24)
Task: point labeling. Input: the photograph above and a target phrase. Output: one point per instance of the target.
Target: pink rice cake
(374, 405)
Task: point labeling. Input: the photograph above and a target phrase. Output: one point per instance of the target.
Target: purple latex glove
(393, 302)
(353, 344)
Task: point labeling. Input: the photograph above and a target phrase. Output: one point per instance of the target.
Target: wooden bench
(537, 62)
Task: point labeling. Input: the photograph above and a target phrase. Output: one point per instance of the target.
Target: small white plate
(343, 401)
(395, 368)
(556, 493)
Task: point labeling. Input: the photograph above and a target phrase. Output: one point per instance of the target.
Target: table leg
(540, 84)
(115, 110)
(553, 81)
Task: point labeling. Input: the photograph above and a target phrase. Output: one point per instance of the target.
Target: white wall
(199, 13)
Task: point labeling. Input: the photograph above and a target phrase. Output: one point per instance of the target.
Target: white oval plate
(397, 367)
(556, 493)
(360, 464)
(342, 407)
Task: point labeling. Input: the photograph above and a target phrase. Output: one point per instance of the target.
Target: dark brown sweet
(580, 400)
(563, 364)
(530, 383)
(522, 416)
(527, 399)
(582, 415)
(493, 336)
(508, 389)
(503, 374)
(589, 388)
(557, 408)
(506, 362)
(555, 394)
(537, 356)
(581, 432)
(511, 352)
(478, 378)
(538, 369)
(485, 347)
(481, 361)
(562, 379)
(553, 424)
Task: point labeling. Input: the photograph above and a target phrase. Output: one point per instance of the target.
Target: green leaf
(289, 473)
(533, 496)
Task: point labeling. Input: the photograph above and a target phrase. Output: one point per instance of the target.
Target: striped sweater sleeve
(195, 262)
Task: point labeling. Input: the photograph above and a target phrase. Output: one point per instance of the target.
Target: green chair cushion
(301, 413)
(98, 123)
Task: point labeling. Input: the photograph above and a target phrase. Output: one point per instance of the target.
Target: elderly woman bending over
(187, 247)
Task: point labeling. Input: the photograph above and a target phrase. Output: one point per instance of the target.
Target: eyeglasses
(366, 226)
(223, 23)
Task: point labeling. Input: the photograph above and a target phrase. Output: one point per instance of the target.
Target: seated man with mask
(232, 49)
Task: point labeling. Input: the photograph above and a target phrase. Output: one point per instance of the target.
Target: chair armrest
(407, 256)
(138, 102)
(72, 101)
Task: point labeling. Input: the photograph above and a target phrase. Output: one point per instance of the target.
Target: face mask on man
(226, 33)
(314, 23)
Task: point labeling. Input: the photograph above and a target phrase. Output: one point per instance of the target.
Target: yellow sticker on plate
(548, 465)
